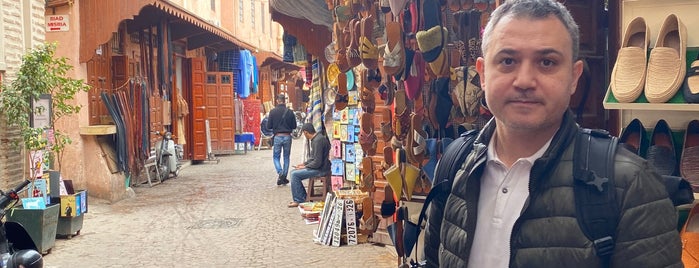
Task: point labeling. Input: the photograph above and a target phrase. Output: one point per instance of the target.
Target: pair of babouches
(659, 75)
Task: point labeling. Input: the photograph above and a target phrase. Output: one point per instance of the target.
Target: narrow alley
(229, 214)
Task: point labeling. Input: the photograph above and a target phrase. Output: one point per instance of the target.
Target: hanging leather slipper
(368, 52)
(666, 63)
(367, 138)
(431, 41)
(395, 179)
(416, 148)
(353, 57)
(629, 72)
(342, 97)
(369, 221)
(394, 54)
(415, 76)
(401, 120)
(386, 132)
(431, 166)
(441, 88)
(367, 183)
(411, 175)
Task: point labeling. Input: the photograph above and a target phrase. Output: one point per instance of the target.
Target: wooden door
(588, 97)
(198, 109)
(220, 111)
(98, 76)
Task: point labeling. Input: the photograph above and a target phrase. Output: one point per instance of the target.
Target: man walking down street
(318, 164)
(282, 121)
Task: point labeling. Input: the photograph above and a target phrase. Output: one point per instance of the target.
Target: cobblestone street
(229, 214)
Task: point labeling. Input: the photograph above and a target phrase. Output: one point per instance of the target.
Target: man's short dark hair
(281, 97)
(308, 127)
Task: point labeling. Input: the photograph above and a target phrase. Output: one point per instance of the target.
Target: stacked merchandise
(411, 67)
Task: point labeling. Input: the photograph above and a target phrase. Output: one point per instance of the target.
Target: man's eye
(507, 61)
(548, 63)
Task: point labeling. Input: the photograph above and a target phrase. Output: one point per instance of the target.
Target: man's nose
(525, 76)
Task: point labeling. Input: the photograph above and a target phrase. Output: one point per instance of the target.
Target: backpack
(593, 164)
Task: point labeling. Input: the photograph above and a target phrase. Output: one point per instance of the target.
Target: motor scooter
(16, 246)
(300, 120)
(166, 156)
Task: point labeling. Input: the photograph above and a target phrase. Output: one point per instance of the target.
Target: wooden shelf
(652, 106)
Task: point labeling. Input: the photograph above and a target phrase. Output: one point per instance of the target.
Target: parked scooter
(16, 246)
(167, 156)
(300, 119)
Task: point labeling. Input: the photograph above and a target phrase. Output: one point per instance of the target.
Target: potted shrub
(41, 76)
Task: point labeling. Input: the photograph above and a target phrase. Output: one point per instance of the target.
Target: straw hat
(629, 73)
(666, 64)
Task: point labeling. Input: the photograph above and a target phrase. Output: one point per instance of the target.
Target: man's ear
(577, 71)
(480, 68)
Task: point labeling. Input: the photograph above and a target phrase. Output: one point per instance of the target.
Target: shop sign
(57, 23)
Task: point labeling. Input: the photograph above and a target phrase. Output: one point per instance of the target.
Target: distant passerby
(282, 121)
(318, 164)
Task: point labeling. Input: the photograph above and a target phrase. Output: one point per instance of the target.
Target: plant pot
(40, 224)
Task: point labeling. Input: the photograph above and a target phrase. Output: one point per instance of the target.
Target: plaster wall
(21, 27)
(83, 160)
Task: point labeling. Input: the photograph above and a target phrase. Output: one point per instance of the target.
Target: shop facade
(383, 113)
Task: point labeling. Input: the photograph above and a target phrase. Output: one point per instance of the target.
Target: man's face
(528, 74)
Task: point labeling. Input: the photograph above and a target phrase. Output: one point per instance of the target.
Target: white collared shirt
(502, 197)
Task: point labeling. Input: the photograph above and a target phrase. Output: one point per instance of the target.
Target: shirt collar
(493, 156)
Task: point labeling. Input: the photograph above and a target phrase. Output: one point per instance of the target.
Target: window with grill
(241, 13)
(252, 13)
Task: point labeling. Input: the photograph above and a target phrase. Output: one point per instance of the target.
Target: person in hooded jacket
(511, 203)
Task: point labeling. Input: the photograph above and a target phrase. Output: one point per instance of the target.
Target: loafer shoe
(634, 138)
(629, 72)
(690, 87)
(661, 153)
(667, 61)
(689, 169)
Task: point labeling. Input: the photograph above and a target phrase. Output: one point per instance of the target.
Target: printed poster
(337, 182)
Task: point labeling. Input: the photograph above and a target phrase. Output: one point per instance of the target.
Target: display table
(243, 141)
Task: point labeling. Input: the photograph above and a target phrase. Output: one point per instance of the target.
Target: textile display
(316, 98)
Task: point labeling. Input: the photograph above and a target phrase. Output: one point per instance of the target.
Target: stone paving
(229, 214)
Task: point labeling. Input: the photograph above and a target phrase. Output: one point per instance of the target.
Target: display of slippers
(368, 100)
(690, 87)
(666, 63)
(629, 72)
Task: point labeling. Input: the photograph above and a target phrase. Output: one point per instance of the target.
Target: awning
(274, 61)
(309, 21)
(100, 18)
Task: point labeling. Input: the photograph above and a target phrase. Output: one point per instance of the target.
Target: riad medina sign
(57, 23)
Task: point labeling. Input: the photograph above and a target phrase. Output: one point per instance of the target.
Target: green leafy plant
(41, 73)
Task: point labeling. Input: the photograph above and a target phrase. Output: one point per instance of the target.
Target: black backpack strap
(449, 163)
(595, 195)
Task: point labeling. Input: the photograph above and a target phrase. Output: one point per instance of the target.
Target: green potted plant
(41, 76)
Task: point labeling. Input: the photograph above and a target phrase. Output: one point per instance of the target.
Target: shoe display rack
(676, 112)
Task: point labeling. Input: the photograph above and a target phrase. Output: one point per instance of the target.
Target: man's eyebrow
(545, 51)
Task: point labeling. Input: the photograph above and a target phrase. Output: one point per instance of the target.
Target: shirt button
(504, 190)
